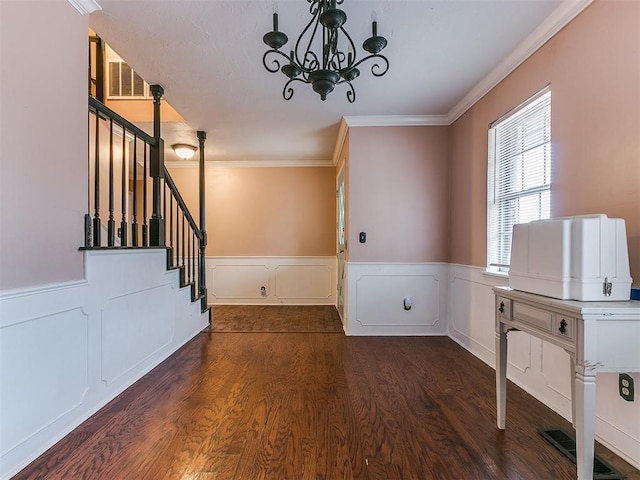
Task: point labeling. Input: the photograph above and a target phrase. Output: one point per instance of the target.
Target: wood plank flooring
(321, 406)
(277, 318)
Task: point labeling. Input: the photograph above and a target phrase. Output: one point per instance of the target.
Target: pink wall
(398, 183)
(265, 211)
(593, 66)
(43, 144)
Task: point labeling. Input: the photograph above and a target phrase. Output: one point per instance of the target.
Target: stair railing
(132, 200)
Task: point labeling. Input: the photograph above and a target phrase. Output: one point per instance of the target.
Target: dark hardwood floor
(277, 318)
(295, 406)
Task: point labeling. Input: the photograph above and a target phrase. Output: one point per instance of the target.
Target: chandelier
(332, 65)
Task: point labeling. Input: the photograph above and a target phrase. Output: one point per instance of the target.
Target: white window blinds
(519, 174)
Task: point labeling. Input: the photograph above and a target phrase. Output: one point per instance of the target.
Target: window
(519, 174)
(124, 82)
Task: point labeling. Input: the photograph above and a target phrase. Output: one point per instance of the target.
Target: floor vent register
(566, 443)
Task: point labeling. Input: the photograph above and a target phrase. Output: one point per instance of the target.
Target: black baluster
(134, 223)
(145, 227)
(183, 241)
(180, 244)
(193, 258)
(111, 224)
(171, 229)
(164, 202)
(125, 189)
(196, 265)
(177, 251)
(188, 255)
(97, 226)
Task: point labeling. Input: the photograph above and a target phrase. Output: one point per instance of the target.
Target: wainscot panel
(271, 280)
(42, 348)
(126, 344)
(67, 350)
(396, 299)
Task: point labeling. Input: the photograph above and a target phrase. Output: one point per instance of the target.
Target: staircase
(133, 201)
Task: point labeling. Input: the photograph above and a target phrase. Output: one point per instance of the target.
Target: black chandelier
(332, 66)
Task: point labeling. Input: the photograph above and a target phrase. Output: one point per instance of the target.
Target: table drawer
(534, 317)
(503, 308)
(564, 327)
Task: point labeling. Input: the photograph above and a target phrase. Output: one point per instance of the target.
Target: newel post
(156, 172)
(202, 136)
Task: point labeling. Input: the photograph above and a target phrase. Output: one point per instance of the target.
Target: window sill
(495, 274)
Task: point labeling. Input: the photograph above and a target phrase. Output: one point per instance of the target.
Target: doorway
(341, 241)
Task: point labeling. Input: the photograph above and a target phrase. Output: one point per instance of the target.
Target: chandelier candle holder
(335, 64)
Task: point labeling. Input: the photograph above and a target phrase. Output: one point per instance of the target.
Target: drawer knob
(563, 327)
(501, 309)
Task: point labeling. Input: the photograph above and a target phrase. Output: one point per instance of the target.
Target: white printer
(573, 258)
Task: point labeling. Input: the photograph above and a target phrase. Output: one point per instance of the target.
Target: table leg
(572, 357)
(585, 407)
(501, 374)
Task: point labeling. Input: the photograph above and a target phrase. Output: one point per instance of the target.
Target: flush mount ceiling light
(184, 151)
(336, 62)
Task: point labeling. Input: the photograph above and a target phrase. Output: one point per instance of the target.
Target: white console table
(598, 336)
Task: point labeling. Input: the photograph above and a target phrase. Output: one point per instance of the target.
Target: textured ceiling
(208, 57)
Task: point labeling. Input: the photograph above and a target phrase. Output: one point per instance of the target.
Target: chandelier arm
(275, 61)
(351, 93)
(287, 91)
(336, 60)
(310, 62)
(315, 11)
(375, 66)
(353, 47)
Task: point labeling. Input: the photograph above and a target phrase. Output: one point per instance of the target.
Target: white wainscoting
(375, 299)
(70, 339)
(66, 350)
(539, 368)
(287, 280)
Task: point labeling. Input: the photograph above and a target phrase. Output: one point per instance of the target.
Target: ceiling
(207, 54)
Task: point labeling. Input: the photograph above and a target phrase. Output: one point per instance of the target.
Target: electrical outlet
(625, 384)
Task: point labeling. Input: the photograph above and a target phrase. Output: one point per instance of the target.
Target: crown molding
(560, 17)
(85, 7)
(249, 163)
(395, 120)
